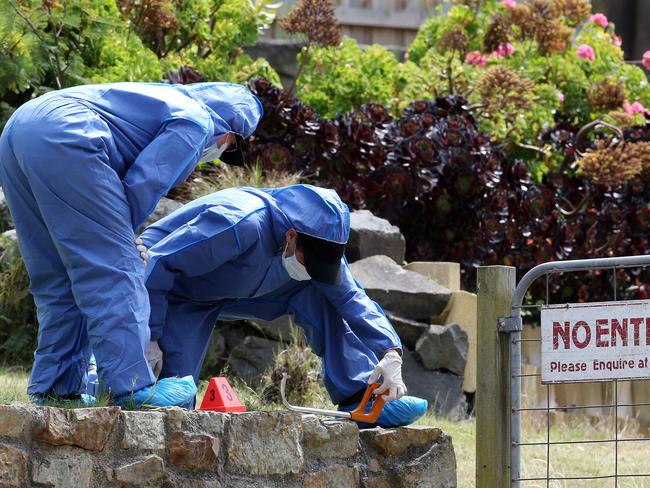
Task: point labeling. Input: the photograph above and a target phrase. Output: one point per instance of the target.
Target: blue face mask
(293, 267)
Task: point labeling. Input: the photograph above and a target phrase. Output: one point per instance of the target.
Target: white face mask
(213, 152)
(293, 267)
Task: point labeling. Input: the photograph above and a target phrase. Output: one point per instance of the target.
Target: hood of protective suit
(318, 212)
(233, 107)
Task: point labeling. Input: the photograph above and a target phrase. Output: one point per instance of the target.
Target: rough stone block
(377, 482)
(372, 236)
(16, 420)
(253, 357)
(409, 331)
(435, 469)
(143, 431)
(395, 442)
(140, 472)
(193, 451)
(443, 391)
(338, 476)
(13, 466)
(66, 467)
(329, 438)
(406, 293)
(249, 449)
(462, 311)
(88, 428)
(211, 423)
(443, 347)
(444, 273)
(164, 207)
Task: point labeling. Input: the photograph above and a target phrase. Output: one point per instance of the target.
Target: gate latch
(509, 324)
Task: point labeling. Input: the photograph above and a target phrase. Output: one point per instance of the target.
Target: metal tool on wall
(358, 414)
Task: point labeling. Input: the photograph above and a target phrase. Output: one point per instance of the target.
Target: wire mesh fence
(558, 438)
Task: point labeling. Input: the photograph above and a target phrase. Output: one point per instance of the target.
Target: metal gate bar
(513, 326)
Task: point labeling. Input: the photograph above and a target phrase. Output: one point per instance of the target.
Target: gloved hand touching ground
(155, 357)
(390, 369)
(142, 249)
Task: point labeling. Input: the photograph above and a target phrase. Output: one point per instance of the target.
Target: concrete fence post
(495, 285)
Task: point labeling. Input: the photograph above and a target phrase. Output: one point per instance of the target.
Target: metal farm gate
(599, 456)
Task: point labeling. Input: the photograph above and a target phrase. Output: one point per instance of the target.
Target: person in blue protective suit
(262, 253)
(81, 169)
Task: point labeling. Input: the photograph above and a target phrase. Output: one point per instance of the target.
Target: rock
(207, 422)
(435, 469)
(164, 207)
(395, 442)
(66, 467)
(248, 450)
(194, 484)
(329, 438)
(13, 466)
(253, 357)
(444, 273)
(406, 293)
(338, 476)
(443, 347)
(215, 356)
(235, 332)
(5, 217)
(409, 331)
(140, 472)
(373, 236)
(279, 53)
(87, 428)
(281, 329)
(144, 431)
(377, 482)
(17, 420)
(443, 391)
(193, 451)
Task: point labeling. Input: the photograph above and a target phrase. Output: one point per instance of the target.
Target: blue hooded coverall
(82, 168)
(220, 257)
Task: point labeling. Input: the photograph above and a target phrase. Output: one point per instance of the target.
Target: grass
(595, 459)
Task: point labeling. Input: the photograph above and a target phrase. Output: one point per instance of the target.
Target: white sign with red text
(595, 341)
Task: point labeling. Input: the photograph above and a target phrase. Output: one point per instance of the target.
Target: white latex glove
(390, 369)
(155, 357)
(142, 249)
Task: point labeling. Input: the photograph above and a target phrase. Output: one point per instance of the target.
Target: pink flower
(476, 58)
(406, 56)
(585, 51)
(509, 4)
(560, 96)
(496, 55)
(645, 61)
(599, 19)
(617, 41)
(635, 108)
(505, 49)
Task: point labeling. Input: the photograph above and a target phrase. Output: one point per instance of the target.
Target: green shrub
(18, 322)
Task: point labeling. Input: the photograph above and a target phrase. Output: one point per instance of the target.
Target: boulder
(443, 347)
(5, 217)
(409, 331)
(193, 451)
(443, 391)
(13, 466)
(329, 438)
(372, 236)
(406, 293)
(281, 329)
(253, 357)
(164, 207)
(141, 472)
(64, 467)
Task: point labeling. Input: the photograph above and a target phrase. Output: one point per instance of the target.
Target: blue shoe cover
(167, 392)
(396, 413)
(87, 400)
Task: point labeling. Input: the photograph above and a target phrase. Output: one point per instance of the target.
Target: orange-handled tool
(358, 414)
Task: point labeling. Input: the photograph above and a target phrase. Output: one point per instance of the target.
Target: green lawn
(566, 460)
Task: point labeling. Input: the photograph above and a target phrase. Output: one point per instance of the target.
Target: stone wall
(96, 447)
